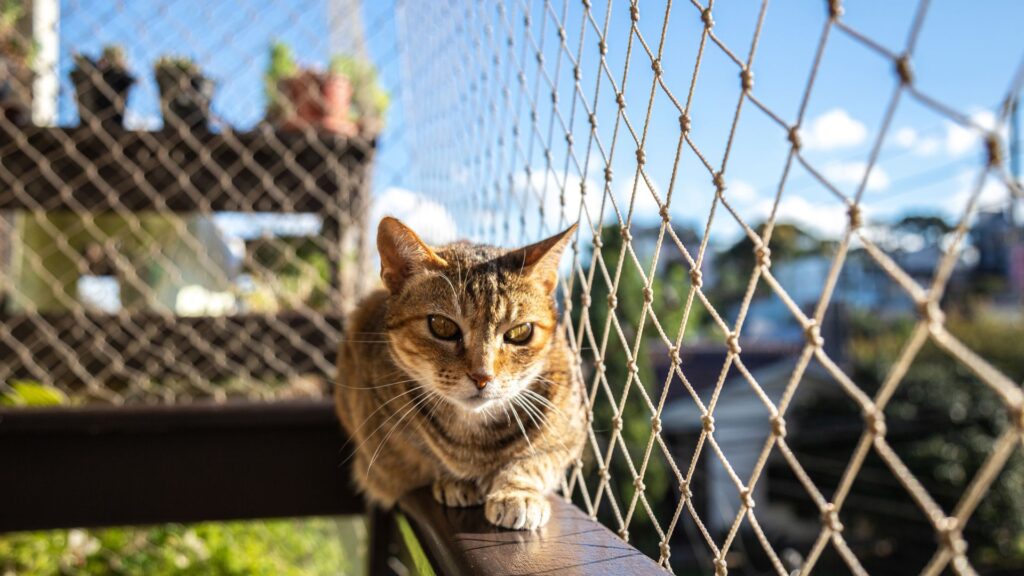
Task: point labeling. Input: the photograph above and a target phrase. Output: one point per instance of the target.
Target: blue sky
(966, 56)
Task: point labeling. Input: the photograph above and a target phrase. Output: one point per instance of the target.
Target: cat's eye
(520, 334)
(443, 328)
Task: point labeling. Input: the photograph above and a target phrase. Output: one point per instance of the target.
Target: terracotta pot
(316, 100)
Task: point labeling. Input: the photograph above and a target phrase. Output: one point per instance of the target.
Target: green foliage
(176, 63)
(943, 423)
(281, 64)
(736, 263)
(26, 393)
(369, 99)
(287, 547)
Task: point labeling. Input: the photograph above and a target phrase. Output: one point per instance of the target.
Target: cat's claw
(517, 510)
(457, 493)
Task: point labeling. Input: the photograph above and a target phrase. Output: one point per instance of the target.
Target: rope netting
(159, 251)
(524, 115)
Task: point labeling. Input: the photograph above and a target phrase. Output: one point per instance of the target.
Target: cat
(457, 375)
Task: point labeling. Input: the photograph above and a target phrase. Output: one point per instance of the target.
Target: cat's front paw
(457, 493)
(517, 510)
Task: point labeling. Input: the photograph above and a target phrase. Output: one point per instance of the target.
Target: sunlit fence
(872, 425)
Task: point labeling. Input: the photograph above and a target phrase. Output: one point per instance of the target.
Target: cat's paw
(457, 493)
(517, 510)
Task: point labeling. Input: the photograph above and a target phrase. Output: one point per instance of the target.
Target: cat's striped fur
(480, 418)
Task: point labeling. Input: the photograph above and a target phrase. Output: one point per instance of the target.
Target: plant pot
(185, 98)
(15, 89)
(316, 100)
(102, 94)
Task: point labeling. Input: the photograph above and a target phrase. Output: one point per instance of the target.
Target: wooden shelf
(73, 348)
(79, 169)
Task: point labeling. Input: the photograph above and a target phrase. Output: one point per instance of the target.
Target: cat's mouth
(479, 401)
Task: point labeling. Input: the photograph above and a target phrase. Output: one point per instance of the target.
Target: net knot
(747, 79)
(950, 536)
(835, 9)
(830, 518)
(665, 550)
(603, 474)
(585, 300)
(627, 236)
(721, 568)
(620, 99)
(778, 426)
(632, 367)
(696, 278)
(931, 313)
(1017, 416)
(641, 156)
(602, 46)
(708, 423)
(624, 534)
(656, 66)
(684, 491)
(648, 295)
(707, 19)
(794, 137)
(904, 70)
(747, 498)
(684, 123)
(593, 120)
(577, 74)
(732, 342)
(719, 181)
(617, 423)
(613, 302)
(608, 174)
(656, 424)
(812, 332)
(638, 483)
(561, 33)
(764, 256)
(597, 240)
(586, 4)
(855, 215)
(993, 150)
(664, 213)
(600, 367)
(634, 12)
(673, 356)
(583, 187)
(875, 421)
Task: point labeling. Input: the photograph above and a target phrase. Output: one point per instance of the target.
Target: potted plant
(16, 55)
(185, 93)
(101, 86)
(301, 98)
(369, 100)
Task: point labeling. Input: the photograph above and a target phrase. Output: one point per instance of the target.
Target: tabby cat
(458, 376)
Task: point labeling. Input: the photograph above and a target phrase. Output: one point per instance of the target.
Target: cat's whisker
(379, 426)
(416, 404)
(543, 400)
(545, 420)
(523, 429)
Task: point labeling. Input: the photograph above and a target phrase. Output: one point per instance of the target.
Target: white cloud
(740, 192)
(432, 221)
(825, 220)
(832, 130)
(909, 139)
(853, 173)
(960, 139)
(645, 206)
(994, 193)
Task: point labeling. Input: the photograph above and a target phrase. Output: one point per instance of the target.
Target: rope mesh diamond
(512, 106)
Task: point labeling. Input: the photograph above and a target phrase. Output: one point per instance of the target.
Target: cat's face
(471, 323)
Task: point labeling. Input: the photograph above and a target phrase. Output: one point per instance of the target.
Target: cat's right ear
(402, 254)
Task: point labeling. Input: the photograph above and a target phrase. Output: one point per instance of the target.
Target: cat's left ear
(540, 260)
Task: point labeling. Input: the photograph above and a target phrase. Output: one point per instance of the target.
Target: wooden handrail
(460, 541)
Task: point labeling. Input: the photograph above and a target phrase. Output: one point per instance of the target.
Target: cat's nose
(482, 379)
